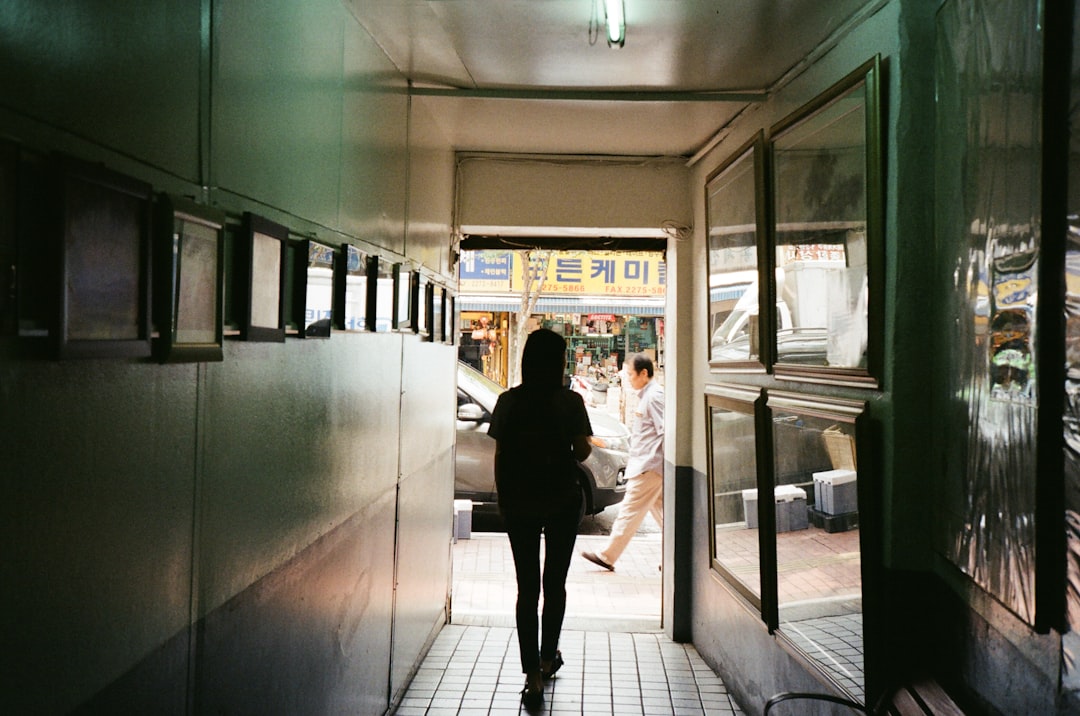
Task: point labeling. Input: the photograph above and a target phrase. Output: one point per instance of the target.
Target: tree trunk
(534, 264)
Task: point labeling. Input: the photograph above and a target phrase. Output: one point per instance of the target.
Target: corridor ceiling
(537, 76)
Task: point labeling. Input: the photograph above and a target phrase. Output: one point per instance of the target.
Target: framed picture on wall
(382, 294)
(438, 314)
(103, 219)
(827, 234)
(735, 206)
(261, 275)
(313, 288)
(403, 296)
(351, 290)
(188, 281)
(422, 293)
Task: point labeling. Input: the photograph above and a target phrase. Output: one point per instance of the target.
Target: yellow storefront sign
(569, 273)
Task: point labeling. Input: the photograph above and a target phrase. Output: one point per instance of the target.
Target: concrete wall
(632, 195)
(269, 532)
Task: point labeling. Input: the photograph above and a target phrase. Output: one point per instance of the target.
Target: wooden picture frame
(262, 253)
(313, 288)
(103, 223)
(189, 292)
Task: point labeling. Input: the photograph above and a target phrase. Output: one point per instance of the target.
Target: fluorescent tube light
(616, 22)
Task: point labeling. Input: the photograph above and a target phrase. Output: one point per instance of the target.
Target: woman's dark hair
(544, 359)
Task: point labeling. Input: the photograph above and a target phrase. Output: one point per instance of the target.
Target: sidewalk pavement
(626, 600)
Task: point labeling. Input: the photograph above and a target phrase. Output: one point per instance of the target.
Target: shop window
(735, 549)
(827, 247)
(814, 520)
(733, 204)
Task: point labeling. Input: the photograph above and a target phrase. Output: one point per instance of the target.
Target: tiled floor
(474, 670)
(627, 599)
(837, 643)
(618, 661)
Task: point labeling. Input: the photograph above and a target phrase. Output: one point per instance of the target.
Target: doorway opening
(608, 304)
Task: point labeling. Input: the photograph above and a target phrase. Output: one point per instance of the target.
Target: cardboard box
(790, 508)
(836, 491)
(749, 501)
(462, 519)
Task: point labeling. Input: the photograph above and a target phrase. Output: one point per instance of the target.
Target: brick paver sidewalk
(627, 599)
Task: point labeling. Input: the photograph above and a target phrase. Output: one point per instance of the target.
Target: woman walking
(541, 432)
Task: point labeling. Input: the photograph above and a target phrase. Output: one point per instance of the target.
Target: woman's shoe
(547, 670)
(532, 696)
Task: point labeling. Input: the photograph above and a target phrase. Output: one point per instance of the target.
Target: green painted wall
(926, 615)
(223, 536)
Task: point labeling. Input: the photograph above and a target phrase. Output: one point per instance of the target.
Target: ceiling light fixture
(615, 16)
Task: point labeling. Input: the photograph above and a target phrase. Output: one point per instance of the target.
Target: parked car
(807, 346)
(474, 478)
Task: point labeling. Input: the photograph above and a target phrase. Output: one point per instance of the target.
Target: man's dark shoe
(591, 556)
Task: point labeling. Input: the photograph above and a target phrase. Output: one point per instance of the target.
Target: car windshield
(478, 377)
(722, 333)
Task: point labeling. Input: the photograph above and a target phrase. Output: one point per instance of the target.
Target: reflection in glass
(818, 559)
(385, 285)
(1071, 418)
(733, 259)
(319, 290)
(403, 297)
(989, 238)
(438, 321)
(422, 297)
(195, 300)
(266, 287)
(355, 289)
(821, 246)
(732, 484)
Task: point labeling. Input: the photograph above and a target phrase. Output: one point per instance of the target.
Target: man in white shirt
(645, 487)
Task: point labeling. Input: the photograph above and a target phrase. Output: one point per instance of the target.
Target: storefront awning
(563, 305)
(728, 293)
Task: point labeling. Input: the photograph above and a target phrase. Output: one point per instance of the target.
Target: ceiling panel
(562, 127)
(542, 55)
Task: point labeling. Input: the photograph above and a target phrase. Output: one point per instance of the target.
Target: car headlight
(607, 442)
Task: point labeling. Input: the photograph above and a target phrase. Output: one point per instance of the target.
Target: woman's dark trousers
(560, 533)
